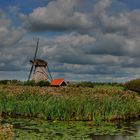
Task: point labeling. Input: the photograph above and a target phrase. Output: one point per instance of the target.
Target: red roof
(57, 82)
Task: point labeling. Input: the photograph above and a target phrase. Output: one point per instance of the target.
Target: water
(37, 129)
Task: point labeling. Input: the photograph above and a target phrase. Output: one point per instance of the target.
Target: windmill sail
(30, 73)
(49, 73)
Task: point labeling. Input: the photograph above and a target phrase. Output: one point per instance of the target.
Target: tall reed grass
(73, 104)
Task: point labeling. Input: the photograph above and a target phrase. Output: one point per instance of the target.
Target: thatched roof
(39, 62)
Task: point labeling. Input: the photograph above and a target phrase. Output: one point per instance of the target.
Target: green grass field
(103, 102)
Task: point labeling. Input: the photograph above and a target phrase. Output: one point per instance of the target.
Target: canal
(37, 129)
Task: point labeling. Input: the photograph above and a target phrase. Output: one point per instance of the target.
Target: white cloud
(98, 45)
(58, 15)
(8, 35)
(101, 6)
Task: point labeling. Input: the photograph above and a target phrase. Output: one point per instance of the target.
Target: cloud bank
(90, 42)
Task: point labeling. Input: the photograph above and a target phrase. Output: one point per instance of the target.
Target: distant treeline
(133, 85)
(91, 84)
(46, 83)
(6, 82)
(24, 83)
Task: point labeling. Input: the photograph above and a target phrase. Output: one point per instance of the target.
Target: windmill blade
(33, 60)
(36, 49)
(48, 76)
(49, 73)
(30, 72)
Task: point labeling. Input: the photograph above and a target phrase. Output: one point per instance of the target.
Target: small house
(58, 82)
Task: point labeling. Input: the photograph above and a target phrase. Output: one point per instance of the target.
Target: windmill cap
(39, 62)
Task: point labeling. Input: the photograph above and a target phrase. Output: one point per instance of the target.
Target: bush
(30, 83)
(4, 82)
(133, 85)
(43, 83)
(40, 83)
(85, 84)
(10, 82)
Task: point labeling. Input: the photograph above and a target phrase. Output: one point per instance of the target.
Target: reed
(73, 104)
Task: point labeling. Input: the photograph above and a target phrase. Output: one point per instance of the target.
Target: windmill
(40, 68)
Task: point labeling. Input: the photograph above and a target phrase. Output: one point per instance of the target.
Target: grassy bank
(89, 104)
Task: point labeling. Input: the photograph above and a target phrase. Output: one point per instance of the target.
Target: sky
(82, 40)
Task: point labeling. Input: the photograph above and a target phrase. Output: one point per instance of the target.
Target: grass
(88, 104)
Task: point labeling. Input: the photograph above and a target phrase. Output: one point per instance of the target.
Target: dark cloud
(99, 45)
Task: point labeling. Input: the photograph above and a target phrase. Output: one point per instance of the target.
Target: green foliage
(38, 129)
(40, 83)
(86, 84)
(81, 84)
(4, 82)
(30, 83)
(133, 85)
(43, 83)
(25, 83)
(92, 105)
(8, 82)
(92, 84)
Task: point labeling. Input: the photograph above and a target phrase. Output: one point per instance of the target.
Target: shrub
(40, 83)
(92, 84)
(30, 83)
(43, 83)
(10, 82)
(133, 85)
(85, 84)
(4, 82)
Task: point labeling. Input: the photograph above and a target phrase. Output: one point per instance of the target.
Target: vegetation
(43, 83)
(29, 83)
(6, 132)
(83, 84)
(10, 82)
(133, 85)
(92, 84)
(91, 102)
(38, 129)
(70, 103)
(24, 83)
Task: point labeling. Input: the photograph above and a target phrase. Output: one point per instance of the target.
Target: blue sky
(82, 40)
(28, 5)
(25, 6)
(131, 4)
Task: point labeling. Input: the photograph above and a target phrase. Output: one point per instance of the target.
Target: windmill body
(39, 70)
(42, 72)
